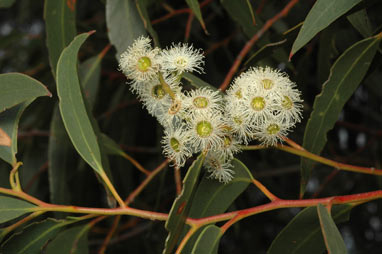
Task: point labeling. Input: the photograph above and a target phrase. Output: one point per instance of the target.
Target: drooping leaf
(33, 238)
(9, 121)
(73, 240)
(303, 234)
(142, 7)
(123, 24)
(239, 11)
(208, 241)
(182, 204)
(332, 237)
(361, 22)
(322, 14)
(197, 82)
(72, 106)
(60, 26)
(111, 147)
(17, 88)
(194, 6)
(6, 3)
(345, 76)
(11, 208)
(213, 197)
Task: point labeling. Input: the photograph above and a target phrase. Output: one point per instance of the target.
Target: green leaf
(240, 12)
(9, 121)
(197, 82)
(208, 241)
(361, 22)
(322, 14)
(33, 238)
(73, 240)
(213, 197)
(194, 6)
(182, 204)
(345, 76)
(111, 147)
(89, 73)
(263, 52)
(72, 106)
(142, 6)
(60, 26)
(11, 208)
(123, 24)
(17, 88)
(333, 239)
(6, 3)
(303, 234)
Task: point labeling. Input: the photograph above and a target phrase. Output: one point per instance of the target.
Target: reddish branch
(252, 41)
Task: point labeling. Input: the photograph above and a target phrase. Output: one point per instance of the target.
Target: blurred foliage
(355, 139)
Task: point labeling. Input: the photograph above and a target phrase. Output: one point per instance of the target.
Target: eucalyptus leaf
(345, 76)
(73, 240)
(208, 241)
(11, 208)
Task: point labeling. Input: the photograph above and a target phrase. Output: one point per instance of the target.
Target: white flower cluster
(261, 104)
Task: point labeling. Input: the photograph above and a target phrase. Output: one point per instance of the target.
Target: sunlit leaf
(17, 88)
(182, 204)
(332, 237)
(322, 14)
(72, 106)
(9, 121)
(208, 241)
(11, 208)
(60, 26)
(303, 234)
(345, 76)
(123, 24)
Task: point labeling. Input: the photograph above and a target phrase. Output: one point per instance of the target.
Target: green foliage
(59, 151)
(11, 208)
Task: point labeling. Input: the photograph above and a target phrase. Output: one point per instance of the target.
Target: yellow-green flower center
(175, 107)
(181, 62)
(273, 129)
(158, 92)
(238, 94)
(174, 143)
(200, 102)
(227, 141)
(258, 103)
(287, 103)
(144, 63)
(267, 84)
(204, 129)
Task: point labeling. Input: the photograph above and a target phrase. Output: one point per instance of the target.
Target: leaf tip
(5, 140)
(91, 32)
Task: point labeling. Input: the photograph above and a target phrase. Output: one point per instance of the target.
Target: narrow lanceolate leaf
(213, 197)
(9, 121)
(303, 234)
(123, 23)
(333, 239)
(33, 238)
(60, 26)
(182, 204)
(17, 88)
(208, 241)
(11, 208)
(73, 240)
(194, 6)
(345, 76)
(361, 23)
(72, 106)
(239, 12)
(142, 7)
(322, 14)
(6, 3)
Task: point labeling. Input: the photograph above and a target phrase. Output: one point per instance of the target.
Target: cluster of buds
(261, 104)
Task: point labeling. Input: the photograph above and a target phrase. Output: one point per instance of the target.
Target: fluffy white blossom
(182, 58)
(140, 62)
(203, 100)
(219, 167)
(271, 132)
